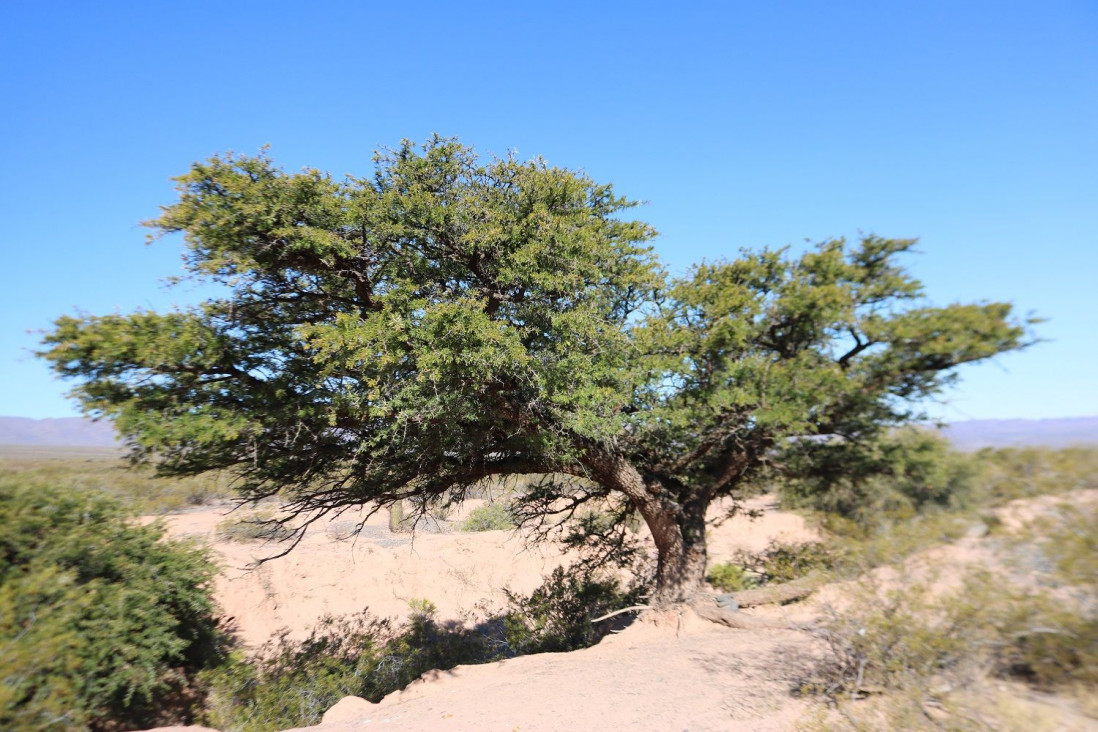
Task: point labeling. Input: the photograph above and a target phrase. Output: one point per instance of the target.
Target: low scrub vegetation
(494, 516)
(108, 474)
(70, 557)
(1033, 620)
(260, 524)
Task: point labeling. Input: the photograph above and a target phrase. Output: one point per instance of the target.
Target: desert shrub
(919, 647)
(558, 615)
(1039, 625)
(489, 517)
(103, 623)
(903, 473)
(257, 525)
(1012, 473)
(902, 637)
(731, 577)
(1054, 633)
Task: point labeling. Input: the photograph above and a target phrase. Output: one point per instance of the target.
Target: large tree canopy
(453, 318)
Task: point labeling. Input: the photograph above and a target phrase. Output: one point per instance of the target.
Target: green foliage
(257, 525)
(558, 615)
(903, 473)
(730, 577)
(1013, 473)
(449, 319)
(489, 517)
(103, 623)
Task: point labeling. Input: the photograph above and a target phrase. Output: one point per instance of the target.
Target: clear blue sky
(973, 125)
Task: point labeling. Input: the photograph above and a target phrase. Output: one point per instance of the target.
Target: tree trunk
(681, 552)
(397, 524)
(677, 526)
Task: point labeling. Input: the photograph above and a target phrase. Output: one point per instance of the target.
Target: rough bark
(681, 552)
(678, 528)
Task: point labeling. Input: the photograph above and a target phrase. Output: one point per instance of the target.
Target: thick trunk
(681, 553)
(677, 526)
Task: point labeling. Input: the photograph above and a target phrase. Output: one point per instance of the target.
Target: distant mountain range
(969, 435)
(1064, 432)
(63, 432)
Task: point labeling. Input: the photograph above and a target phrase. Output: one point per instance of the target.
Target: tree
(451, 318)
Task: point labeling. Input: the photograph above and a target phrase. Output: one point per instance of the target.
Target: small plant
(258, 525)
(489, 517)
(422, 607)
(731, 577)
(786, 562)
(558, 615)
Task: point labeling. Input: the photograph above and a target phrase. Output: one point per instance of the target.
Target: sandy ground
(463, 574)
(661, 673)
(672, 676)
(329, 573)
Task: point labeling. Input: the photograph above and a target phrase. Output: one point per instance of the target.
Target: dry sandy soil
(662, 673)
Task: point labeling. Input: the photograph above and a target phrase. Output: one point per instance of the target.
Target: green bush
(489, 517)
(731, 577)
(903, 473)
(558, 615)
(103, 623)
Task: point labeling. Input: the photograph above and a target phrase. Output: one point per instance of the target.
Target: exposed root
(780, 593)
(725, 609)
(705, 605)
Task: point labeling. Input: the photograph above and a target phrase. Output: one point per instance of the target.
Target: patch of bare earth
(674, 673)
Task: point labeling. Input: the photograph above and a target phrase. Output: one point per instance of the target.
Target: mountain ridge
(966, 435)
